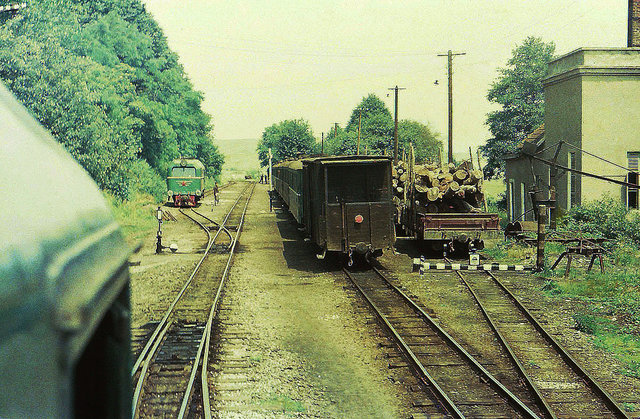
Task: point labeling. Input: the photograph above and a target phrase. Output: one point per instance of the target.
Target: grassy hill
(240, 157)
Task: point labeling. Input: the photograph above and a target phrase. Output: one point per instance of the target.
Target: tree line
(100, 76)
(290, 139)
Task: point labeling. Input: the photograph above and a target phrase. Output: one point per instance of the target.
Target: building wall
(518, 172)
(591, 101)
(562, 122)
(610, 128)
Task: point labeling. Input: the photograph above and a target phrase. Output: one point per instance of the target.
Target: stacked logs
(447, 188)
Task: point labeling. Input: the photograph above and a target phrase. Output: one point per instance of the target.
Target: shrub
(607, 218)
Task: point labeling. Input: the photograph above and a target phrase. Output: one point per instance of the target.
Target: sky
(259, 62)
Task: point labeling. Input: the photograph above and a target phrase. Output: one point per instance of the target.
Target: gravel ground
(294, 339)
(310, 350)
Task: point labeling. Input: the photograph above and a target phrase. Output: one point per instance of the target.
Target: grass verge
(610, 302)
(136, 216)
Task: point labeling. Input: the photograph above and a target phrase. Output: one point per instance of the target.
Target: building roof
(535, 136)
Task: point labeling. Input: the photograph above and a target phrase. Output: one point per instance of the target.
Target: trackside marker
(421, 266)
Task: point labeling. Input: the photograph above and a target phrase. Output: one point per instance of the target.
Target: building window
(572, 182)
(632, 177)
(511, 200)
(522, 208)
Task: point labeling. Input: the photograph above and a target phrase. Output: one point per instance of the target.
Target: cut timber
(433, 194)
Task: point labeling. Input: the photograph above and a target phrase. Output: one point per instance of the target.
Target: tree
(100, 76)
(376, 125)
(287, 139)
(518, 90)
(426, 143)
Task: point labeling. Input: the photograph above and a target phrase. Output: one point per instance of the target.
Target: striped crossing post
(421, 267)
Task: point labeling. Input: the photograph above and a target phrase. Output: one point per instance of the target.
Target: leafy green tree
(518, 90)
(376, 132)
(426, 143)
(287, 139)
(100, 76)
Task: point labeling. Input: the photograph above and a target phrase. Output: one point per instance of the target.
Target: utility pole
(336, 128)
(449, 56)
(322, 147)
(395, 129)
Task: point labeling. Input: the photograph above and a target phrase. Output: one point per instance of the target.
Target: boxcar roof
(291, 164)
(347, 159)
(59, 243)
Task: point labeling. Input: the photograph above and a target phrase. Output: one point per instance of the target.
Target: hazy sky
(260, 62)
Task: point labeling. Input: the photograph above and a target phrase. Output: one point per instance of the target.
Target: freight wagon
(441, 205)
(343, 202)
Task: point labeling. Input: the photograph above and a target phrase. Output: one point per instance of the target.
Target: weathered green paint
(63, 265)
(186, 185)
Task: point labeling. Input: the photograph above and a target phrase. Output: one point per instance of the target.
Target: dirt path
(303, 346)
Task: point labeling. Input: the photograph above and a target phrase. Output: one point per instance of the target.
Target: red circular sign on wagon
(359, 219)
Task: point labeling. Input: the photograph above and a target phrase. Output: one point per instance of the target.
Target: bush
(606, 218)
(143, 179)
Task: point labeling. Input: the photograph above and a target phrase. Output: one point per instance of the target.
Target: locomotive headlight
(170, 193)
(198, 192)
(359, 219)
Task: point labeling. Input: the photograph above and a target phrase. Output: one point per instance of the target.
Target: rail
(146, 356)
(498, 388)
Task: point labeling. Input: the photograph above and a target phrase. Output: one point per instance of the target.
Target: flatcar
(64, 293)
(185, 182)
(343, 202)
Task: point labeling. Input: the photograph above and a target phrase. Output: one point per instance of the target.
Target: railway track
(165, 372)
(561, 386)
(460, 385)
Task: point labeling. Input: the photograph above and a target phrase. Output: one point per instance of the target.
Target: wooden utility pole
(449, 56)
(336, 128)
(395, 130)
(322, 146)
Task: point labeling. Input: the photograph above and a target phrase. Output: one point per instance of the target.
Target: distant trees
(376, 135)
(518, 90)
(99, 75)
(287, 139)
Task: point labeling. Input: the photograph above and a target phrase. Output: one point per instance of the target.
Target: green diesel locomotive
(185, 182)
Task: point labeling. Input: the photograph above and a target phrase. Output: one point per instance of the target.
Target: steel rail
(448, 404)
(145, 357)
(589, 380)
(204, 377)
(498, 386)
(546, 409)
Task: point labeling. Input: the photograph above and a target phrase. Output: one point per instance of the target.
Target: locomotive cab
(64, 294)
(185, 182)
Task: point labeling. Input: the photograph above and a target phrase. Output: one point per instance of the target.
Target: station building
(592, 106)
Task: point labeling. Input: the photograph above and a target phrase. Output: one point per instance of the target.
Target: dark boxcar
(348, 203)
(64, 288)
(344, 202)
(185, 182)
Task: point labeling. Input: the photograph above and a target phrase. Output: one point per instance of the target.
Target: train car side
(64, 293)
(287, 181)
